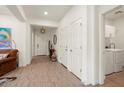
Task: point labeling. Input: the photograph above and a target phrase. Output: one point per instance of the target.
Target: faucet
(112, 44)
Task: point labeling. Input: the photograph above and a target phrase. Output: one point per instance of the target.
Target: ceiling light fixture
(42, 30)
(45, 13)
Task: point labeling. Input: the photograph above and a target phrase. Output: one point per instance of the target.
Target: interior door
(109, 62)
(41, 44)
(64, 46)
(66, 53)
(70, 44)
(76, 48)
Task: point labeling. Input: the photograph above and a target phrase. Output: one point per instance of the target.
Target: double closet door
(64, 46)
(71, 47)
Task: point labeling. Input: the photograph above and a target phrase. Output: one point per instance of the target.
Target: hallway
(43, 73)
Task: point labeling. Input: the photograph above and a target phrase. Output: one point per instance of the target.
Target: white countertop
(114, 50)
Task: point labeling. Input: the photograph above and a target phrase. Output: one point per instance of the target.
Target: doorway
(105, 47)
(41, 40)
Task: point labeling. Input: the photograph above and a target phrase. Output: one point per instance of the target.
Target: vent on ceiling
(118, 12)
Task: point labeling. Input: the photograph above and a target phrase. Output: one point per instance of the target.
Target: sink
(114, 50)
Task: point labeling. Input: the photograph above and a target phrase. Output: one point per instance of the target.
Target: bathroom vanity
(114, 60)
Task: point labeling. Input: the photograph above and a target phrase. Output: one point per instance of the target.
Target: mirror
(54, 39)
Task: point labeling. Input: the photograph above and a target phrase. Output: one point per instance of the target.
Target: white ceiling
(4, 10)
(35, 27)
(112, 15)
(55, 12)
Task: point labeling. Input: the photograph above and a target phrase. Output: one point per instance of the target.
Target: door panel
(109, 63)
(41, 44)
(70, 44)
(76, 48)
(64, 46)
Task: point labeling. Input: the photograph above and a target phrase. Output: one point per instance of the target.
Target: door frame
(37, 45)
(102, 44)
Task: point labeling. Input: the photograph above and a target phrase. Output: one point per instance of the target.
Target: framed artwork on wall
(5, 37)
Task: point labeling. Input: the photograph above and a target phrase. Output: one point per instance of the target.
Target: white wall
(93, 52)
(119, 36)
(18, 35)
(33, 42)
(108, 22)
(28, 43)
(18, 13)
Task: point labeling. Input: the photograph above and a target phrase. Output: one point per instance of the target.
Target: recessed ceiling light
(45, 13)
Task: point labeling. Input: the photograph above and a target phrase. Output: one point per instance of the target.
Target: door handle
(65, 49)
(37, 45)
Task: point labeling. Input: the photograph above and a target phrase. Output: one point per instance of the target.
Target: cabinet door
(119, 61)
(118, 67)
(109, 62)
(119, 57)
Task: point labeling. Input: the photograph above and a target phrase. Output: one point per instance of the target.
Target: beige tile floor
(114, 80)
(43, 73)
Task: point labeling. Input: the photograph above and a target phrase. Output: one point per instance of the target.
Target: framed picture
(5, 37)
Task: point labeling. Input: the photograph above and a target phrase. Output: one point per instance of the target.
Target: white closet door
(70, 44)
(76, 48)
(60, 46)
(64, 46)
